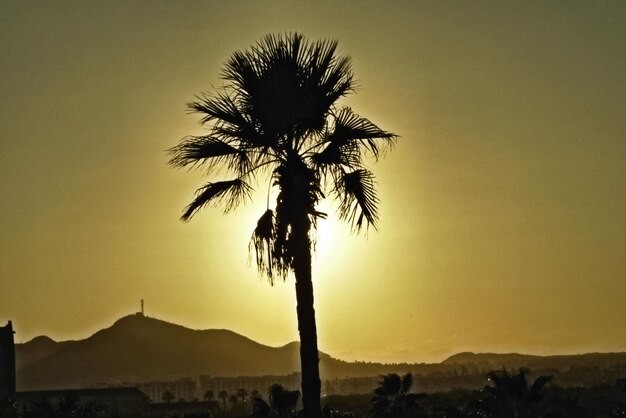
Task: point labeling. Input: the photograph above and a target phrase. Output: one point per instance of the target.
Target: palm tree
(392, 398)
(223, 395)
(167, 396)
(282, 400)
(260, 408)
(278, 114)
(282, 403)
(242, 393)
(208, 395)
(233, 399)
(511, 396)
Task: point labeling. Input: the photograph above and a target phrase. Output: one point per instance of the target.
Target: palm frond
(246, 135)
(230, 192)
(262, 242)
(220, 107)
(339, 81)
(321, 58)
(201, 150)
(357, 198)
(286, 85)
(347, 155)
(329, 77)
(351, 127)
(230, 120)
(242, 72)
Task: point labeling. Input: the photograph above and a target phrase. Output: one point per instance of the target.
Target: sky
(502, 224)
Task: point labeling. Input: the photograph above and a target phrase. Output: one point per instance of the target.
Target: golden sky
(502, 217)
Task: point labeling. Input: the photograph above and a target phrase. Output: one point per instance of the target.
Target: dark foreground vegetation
(508, 394)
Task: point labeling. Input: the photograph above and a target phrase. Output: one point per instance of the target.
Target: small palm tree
(242, 393)
(260, 408)
(208, 395)
(233, 399)
(167, 396)
(511, 395)
(282, 400)
(282, 403)
(392, 398)
(279, 114)
(223, 395)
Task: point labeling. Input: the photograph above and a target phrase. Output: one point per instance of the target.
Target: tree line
(507, 394)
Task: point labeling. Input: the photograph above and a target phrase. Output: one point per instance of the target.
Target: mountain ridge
(136, 348)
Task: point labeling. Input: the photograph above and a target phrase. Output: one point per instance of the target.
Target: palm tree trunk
(309, 358)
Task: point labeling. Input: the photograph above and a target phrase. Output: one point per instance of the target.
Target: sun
(326, 236)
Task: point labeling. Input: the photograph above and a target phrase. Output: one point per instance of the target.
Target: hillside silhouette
(139, 349)
(515, 360)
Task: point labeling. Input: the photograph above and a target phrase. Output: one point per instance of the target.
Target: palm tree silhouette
(282, 403)
(278, 114)
(242, 393)
(233, 399)
(223, 395)
(167, 396)
(208, 395)
(392, 398)
(511, 395)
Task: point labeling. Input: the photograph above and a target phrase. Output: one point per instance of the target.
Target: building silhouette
(123, 401)
(185, 389)
(7, 362)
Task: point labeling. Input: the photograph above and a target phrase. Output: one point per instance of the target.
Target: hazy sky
(503, 207)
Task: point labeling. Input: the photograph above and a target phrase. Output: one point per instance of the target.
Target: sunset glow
(502, 205)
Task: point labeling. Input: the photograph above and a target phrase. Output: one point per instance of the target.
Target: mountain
(137, 348)
(515, 360)
(35, 350)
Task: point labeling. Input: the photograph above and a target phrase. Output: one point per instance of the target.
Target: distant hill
(35, 350)
(514, 360)
(139, 349)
